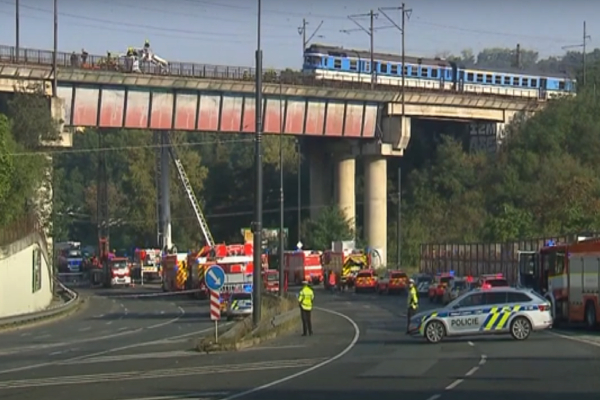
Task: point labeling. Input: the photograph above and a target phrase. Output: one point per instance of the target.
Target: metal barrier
(476, 259)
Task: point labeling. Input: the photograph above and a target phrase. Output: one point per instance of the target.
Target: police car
(501, 310)
(240, 305)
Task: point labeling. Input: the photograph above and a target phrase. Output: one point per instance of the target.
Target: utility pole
(258, 159)
(17, 31)
(302, 31)
(371, 32)
(299, 166)
(406, 13)
(281, 196)
(583, 45)
(55, 52)
(399, 220)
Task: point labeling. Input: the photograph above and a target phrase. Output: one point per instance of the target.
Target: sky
(224, 32)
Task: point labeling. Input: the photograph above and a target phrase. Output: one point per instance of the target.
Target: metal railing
(476, 259)
(221, 72)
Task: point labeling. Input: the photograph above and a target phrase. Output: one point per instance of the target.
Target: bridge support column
(165, 187)
(320, 176)
(396, 131)
(375, 207)
(345, 187)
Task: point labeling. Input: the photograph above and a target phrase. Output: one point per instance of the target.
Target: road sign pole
(215, 311)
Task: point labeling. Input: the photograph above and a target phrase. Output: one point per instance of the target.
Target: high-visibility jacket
(306, 298)
(332, 279)
(413, 298)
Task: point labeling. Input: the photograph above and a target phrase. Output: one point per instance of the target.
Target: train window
(394, 69)
(414, 71)
(383, 68)
(353, 65)
(337, 63)
(424, 72)
(470, 77)
(497, 80)
(368, 66)
(434, 72)
(561, 85)
(525, 82)
(405, 71)
(516, 81)
(488, 78)
(507, 80)
(480, 78)
(534, 83)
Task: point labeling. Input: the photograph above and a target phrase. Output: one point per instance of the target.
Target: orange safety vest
(332, 279)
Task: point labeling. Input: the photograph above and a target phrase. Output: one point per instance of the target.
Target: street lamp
(258, 211)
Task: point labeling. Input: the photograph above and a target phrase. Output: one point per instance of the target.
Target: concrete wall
(26, 278)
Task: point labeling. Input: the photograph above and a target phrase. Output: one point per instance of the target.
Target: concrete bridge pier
(318, 156)
(345, 185)
(375, 205)
(165, 190)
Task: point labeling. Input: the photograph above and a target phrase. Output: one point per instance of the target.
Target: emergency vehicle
(366, 280)
(422, 283)
(492, 280)
(174, 272)
(346, 265)
(271, 281)
(120, 272)
(68, 256)
(456, 288)
(304, 265)
(568, 276)
(392, 281)
(147, 262)
(438, 286)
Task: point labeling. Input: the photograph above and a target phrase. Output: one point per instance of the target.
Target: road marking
(85, 329)
(42, 337)
(155, 374)
(434, 397)
(576, 338)
(46, 364)
(471, 343)
(310, 369)
(483, 360)
(454, 384)
(472, 371)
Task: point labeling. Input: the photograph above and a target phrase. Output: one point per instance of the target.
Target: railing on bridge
(195, 70)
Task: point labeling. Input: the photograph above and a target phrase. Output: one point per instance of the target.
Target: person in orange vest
(332, 281)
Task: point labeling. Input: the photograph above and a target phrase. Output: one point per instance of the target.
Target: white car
(501, 310)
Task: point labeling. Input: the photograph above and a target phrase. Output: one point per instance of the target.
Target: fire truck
(271, 281)
(174, 272)
(147, 263)
(568, 275)
(110, 270)
(303, 265)
(345, 265)
(438, 286)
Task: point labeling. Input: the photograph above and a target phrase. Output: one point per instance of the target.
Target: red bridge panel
(138, 109)
(114, 107)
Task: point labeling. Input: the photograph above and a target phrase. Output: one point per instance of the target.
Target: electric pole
(55, 52)
(371, 32)
(281, 196)
(583, 45)
(17, 31)
(302, 31)
(402, 28)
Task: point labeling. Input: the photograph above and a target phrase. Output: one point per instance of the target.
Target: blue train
(339, 64)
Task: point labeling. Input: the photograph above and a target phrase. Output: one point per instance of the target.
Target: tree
(330, 226)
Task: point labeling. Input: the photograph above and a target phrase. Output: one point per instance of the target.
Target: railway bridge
(339, 124)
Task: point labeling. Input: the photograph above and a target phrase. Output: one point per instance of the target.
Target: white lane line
(311, 369)
(472, 371)
(85, 329)
(34, 366)
(483, 360)
(454, 384)
(435, 397)
(471, 344)
(187, 396)
(457, 382)
(579, 339)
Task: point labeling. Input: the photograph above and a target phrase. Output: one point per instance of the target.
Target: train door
(543, 88)
(460, 80)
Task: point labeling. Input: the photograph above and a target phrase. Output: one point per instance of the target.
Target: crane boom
(189, 191)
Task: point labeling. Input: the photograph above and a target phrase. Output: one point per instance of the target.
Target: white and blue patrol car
(501, 310)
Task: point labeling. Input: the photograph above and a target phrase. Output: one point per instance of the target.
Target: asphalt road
(139, 348)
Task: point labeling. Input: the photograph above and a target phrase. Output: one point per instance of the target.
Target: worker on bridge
(305, 301)
(413, 302)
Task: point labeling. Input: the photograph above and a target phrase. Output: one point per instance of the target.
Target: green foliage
(31, 118)
(330, 226)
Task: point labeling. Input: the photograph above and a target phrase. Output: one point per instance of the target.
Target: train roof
(366, 55)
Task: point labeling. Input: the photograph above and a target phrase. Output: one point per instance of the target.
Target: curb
(74, 303)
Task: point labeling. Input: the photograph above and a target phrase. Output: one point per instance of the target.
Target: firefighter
(305, 301)
(413, 302)
(332, 280)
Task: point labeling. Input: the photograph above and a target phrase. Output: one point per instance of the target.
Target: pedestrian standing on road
(413, 302)
(305, 301)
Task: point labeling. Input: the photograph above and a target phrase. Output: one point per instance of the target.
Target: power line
(370, 31)
(302, 31)
(124, 148)
(583, 45)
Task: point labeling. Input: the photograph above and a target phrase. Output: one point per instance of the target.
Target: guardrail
(93, 62)
(73, 302)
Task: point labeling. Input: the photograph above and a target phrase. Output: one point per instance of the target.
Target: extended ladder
(190, 194)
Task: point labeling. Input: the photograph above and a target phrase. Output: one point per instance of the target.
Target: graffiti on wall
(485, 136)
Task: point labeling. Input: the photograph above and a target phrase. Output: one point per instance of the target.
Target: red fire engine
(438, 287)
(304, 265)
(569, 276)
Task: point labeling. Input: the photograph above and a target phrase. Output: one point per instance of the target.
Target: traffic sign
(215, 277)
(215, 305)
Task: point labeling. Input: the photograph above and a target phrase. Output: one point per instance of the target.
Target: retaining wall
(26, 277)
